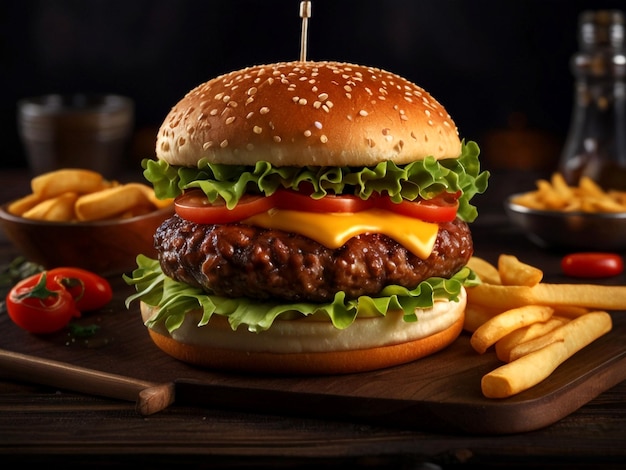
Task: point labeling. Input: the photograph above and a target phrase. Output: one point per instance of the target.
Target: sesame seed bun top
(307, 114)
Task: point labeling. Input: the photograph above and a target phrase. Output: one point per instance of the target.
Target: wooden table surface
(41, 424)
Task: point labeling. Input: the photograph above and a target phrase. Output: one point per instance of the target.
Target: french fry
(536, 366)
(561, 187)
(486, 271)
(111, 202)
(599, 297)
(515, 273)
(60, 208)
(21, 205)
(586, 324)
(57, 182)
(507, 343)
(504, 323)
(517, 376)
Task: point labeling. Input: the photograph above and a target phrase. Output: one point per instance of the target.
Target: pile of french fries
(532, 326)
(69, 195)
(557, 195)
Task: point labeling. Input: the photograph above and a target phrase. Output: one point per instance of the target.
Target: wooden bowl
(107, 247)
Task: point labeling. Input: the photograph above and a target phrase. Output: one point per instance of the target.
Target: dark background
(500, 67)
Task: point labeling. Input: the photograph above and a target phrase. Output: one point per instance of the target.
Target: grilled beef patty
(237, 260)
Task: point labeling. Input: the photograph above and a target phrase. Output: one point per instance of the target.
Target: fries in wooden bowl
(75, 217)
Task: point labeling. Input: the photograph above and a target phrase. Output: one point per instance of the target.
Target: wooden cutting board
(438, 393)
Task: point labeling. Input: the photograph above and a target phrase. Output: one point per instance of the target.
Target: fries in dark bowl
(559, 216)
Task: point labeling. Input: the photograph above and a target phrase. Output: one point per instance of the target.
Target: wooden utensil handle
(70, 377)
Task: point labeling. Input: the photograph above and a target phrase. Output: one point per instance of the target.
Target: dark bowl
(107, 247)
(598, 231)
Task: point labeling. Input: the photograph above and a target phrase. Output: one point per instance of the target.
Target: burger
(320, 227)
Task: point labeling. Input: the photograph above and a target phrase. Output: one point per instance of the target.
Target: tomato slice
(442, 208)
(296, 201)
(194, 206)
(592, 264)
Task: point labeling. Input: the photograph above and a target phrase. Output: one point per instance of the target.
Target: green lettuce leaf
(175, 299)
(420, 179)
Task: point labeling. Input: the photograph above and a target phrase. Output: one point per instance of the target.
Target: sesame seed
(224, 143)
(250, 114)
(264, 110)
(388, 138)
(295, 99)
(349, 96)
(323, 139)
(386, 131)
(317, 124)
(317, 104)
(370, 143)
(252, 91)
(257, 129)
(226, 99)
(230, 119)
(302, 101)
(348, 88)
(214, 112)
(249, 100)
(363, 113)
(277, 139)
(329, 104)
(323, 96)
(403, 117)
(430, 122)
(326, 108)
(307, 133)
(181, 141)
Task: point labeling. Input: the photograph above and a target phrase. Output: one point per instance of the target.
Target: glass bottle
(596, 142)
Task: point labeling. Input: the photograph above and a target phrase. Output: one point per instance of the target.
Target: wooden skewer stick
(305, 14)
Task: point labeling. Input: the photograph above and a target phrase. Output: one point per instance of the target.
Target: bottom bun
(310, 346)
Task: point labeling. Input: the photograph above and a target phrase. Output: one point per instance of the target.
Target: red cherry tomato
(592, 265)
(296, 201)
(89, 290)
(195, 207)
(40, 305)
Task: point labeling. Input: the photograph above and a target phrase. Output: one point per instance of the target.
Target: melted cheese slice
(334, 229)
